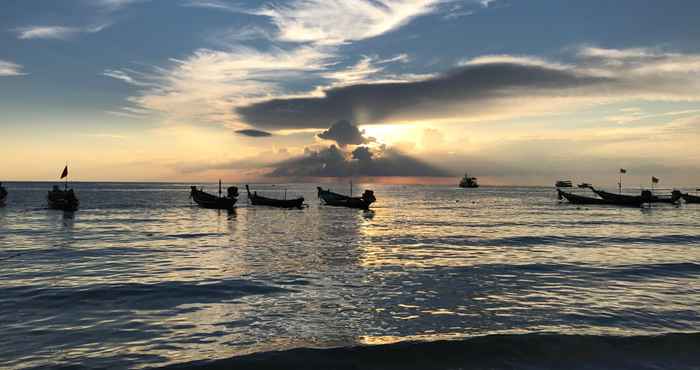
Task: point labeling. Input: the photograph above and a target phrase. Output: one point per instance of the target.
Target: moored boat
(564, 184)
(468, 182)
(645, 197)
(259, 200)
(338, 200)
(63, 200)
(693, 199)
(210, 201)
(3, 195)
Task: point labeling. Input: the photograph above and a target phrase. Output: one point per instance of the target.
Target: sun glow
(392, 133)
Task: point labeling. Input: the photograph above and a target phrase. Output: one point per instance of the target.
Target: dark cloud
(253, 133)
(345, 133)
(462, 90)
(362, 161)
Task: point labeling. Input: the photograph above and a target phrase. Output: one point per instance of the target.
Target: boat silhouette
(259, 200)
(210, 201)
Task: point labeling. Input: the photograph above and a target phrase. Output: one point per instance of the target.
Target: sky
(515, 92)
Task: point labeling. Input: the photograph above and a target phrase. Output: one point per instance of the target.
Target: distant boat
(564, 184)
(584, 185)
(206, 200)
(468, 182)
(3, 195)
(259, 200)
(694, 199)
(63, 200)
(339, 200)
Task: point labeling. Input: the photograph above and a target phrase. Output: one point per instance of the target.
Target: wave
(136, 295)
(503, 351)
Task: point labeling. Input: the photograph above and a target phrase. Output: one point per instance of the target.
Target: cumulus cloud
(56, 32)
(493, 84)
(362, 161)
(10, 69)
(345, 133)
(253, 133)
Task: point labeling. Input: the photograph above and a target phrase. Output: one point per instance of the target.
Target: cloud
(340, 21)
(460, 91)
(263, 160)
(499, 86)
(458, 11)
(253, 133)
(10, 69)
(56, 32)
(362, 161)
(125, 76)
(216, 5)
(345, 133)
(112, 5)
(206, 86)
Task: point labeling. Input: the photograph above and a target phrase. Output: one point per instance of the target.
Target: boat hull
(209, 201)
(579, 199)
(692, 199)
(622, 199)
(258, 200)
(338, 200)
(3, 196)
(63, 200)
(646, 197)
(279, 203)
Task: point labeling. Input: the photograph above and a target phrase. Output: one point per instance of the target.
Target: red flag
(64, 174)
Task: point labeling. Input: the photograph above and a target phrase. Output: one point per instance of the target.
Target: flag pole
(66, 185)
(619, 184)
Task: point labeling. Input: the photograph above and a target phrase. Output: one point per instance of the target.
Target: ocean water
(433, 277)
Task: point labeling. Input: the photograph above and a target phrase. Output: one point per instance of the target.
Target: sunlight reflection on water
(139, 276)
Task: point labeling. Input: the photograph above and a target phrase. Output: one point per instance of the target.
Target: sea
(433, 277)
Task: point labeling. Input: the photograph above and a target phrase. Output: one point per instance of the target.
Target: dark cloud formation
(253, 133)
(461, 90)
(362, 161)
(345, 133)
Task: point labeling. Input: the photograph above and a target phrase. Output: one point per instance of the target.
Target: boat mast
(219, 188)
(350, 188)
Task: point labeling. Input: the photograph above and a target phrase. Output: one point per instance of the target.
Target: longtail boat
(3, 195)
(63, 200)
(338, 200)
(645, 197)
(688, 198)
(210, 201)
(259, 200)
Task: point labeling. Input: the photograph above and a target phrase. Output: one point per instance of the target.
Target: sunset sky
(513, 91)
